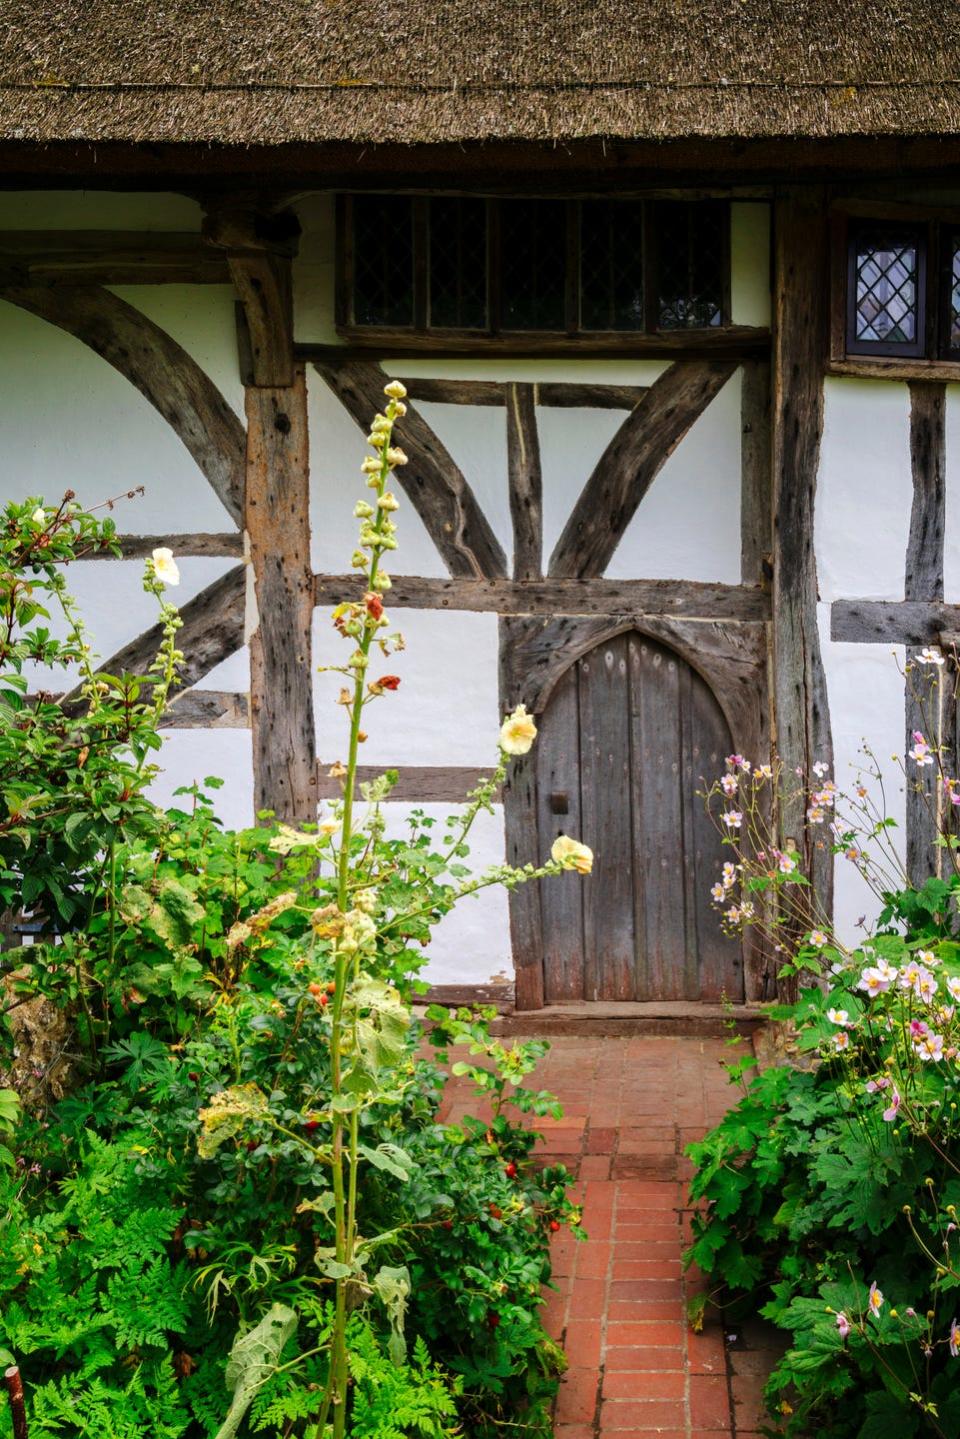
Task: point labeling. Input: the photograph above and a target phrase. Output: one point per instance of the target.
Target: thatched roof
(252, 72)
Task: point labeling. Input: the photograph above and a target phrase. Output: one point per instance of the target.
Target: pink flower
(891, 1113)
(875, 1300)
(954, 1338)
(918, 1028)
(733, 819)
(929, 1047)
(843, 1325)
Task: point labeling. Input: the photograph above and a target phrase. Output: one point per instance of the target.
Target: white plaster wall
(864, 498)
(69, 420)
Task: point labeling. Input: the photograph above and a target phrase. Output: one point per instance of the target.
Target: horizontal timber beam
(422, 784)
(138, 547)
(689, 599)
(551, 395)
(207, 709)
(108, 257)
(734, 342)
(892, 622)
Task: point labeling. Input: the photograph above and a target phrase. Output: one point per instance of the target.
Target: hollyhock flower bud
(395, 390)
(388, 501)
(396, 457)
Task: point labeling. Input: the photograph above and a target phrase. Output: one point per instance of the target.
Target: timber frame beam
(802, 719)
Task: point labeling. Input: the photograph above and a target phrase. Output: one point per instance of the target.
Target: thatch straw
(275, 71)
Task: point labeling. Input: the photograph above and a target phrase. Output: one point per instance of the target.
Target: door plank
(608, 920)
(719, 957)
(657, 818)
(561, 898)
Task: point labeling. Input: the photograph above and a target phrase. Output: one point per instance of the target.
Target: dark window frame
(918, 235)
(422, 330)
(937, 230)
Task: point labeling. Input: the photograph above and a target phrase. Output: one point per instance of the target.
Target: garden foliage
(246, 1216)
(828, 1196)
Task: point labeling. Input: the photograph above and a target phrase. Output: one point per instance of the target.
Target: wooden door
(630, 733)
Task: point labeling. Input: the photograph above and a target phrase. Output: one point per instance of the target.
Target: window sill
(884, 367)
(731, 340)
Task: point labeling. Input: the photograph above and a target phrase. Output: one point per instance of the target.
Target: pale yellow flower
(572, 854)
(395, 390)
(518, 732)
(165, 566)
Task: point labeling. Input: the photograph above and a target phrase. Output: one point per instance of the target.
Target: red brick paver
(631, 1105)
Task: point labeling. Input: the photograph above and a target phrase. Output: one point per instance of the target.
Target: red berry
(324, 1001)
(315, 988)
(448, 1224)
(252, 1145)
(511, 1170)
(311, 1124)
(493, 1320)
(331, 987)
(496, 1211)
(194, 1077)
(554, 1225)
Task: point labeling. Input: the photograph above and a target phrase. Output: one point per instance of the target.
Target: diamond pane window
(886, 284)
(458, 264)
(533, 264)
(953, 296)
(691, 245)
(611, 265)
(382, 261)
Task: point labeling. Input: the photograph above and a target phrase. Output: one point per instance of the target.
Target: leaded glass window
(611, 265)
(533, 264)
(382, 261)
(690, 241)
(466, 266)
(458, 263)
(885, 290)
(952, 286)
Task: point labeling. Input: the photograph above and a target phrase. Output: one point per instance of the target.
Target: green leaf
(389, 1157)
(254, 1358)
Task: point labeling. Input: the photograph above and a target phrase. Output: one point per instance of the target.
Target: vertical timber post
(276, 512)
(925, 705)
(801, 714)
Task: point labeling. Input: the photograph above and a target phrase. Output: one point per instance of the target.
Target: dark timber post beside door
(801, 715)
(276, 514)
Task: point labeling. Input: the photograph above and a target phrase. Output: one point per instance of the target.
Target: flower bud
(388, 501)
(395, 390)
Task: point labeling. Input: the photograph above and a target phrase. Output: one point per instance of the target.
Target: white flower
(718, 894)
(840, 1041)
(729, 874)
(518, 732)
(786, 864)
(763, 771)
(876, 1299)
(929, 1046)
(729, 784)
(165, 566)
(39, 516)
(840, 1016)
(572, 854)
(886, 970)
(929, 656)
(820, 769)
(733, 819)
(818, 939)
(873, 981)
(953, 985)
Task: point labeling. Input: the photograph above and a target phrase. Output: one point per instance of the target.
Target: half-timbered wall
(69, 419)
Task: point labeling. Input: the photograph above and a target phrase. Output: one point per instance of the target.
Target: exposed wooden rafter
(925, 707)
(108, 257)
(893, 622)
(802, 716)
(631, 462)
(159, 368)
(525, 482)
(548, 394)
(434, 484)
(690, 599)
(137, 547)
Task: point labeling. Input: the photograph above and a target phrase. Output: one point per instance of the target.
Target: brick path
(635, 1368)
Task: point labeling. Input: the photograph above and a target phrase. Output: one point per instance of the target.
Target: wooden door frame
(731, 659)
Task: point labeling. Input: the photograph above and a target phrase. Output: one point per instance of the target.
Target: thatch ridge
(273, 71)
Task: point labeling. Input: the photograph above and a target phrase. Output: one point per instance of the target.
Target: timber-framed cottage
(675, 292)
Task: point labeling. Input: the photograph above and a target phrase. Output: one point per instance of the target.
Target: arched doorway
(630, 733)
